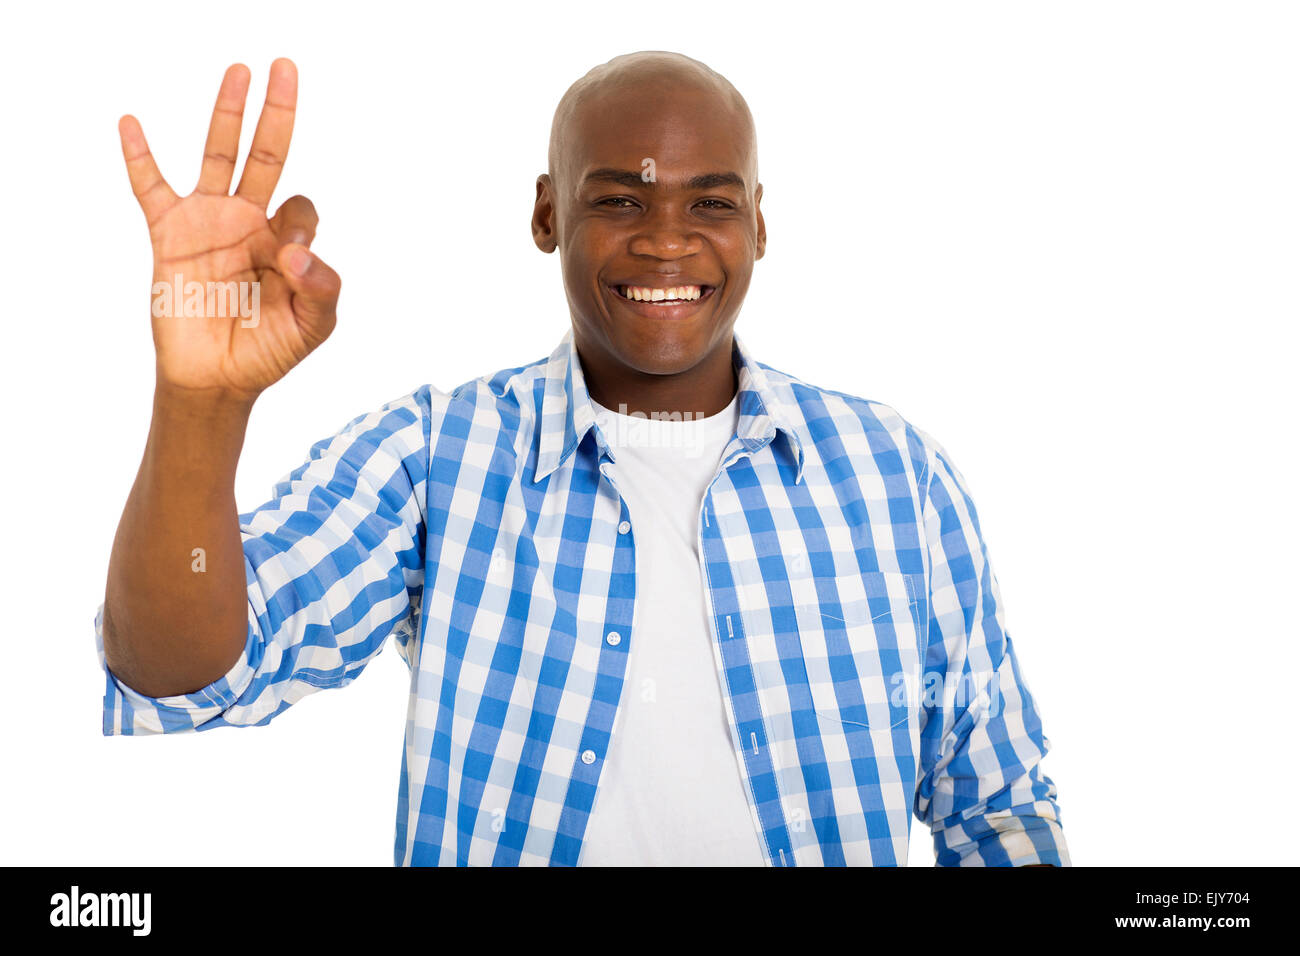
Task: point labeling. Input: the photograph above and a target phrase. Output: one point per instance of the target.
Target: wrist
(202, 404)
(195, 438)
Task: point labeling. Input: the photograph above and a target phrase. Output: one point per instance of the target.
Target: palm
(224, 239)
(227, 241)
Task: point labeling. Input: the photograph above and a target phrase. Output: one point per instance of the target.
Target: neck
(700, 391)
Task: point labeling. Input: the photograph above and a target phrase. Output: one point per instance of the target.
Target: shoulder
(858, 424)
(499, 398)
(509, 399)
(873, 441)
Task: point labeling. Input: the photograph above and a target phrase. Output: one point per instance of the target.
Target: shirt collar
(765, 408)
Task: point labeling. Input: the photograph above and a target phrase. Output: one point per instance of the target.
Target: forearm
(175, 612)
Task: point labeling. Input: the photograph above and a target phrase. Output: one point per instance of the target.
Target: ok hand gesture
(274, 300)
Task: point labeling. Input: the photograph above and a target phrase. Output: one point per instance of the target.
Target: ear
(761, 245)
(544, 234)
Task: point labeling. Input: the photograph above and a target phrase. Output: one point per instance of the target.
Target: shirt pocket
(885, 598)
(861, 639)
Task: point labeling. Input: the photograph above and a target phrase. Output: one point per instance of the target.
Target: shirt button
(624, 527)
(613, 639)
(589, 756)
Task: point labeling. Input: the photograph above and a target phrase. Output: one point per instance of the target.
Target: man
(661, 603)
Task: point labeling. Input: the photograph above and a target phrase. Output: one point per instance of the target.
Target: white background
(1062, 238)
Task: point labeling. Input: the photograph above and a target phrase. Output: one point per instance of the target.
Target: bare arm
(175, 611)
(175, 608)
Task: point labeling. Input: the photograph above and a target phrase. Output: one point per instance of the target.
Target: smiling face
(653, 205)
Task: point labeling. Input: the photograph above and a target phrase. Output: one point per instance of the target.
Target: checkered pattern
(859, 633)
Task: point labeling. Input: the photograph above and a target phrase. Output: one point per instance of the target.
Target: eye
(618, 202)
(716, 204)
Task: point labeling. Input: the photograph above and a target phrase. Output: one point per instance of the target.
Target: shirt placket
(611, 670)
(738, 679)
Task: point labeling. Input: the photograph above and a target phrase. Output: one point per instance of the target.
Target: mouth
(667, 302)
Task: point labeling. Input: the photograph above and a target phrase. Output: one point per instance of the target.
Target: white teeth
(683, 293)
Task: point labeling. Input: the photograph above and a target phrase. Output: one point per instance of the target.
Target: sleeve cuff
(128, 712)
(1005, 838)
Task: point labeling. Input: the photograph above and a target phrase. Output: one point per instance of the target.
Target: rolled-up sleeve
(981, 789)
(334, 566)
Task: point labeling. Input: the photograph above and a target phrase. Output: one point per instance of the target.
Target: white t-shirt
(671, 791)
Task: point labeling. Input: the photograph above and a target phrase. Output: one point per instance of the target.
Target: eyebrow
(623, 177)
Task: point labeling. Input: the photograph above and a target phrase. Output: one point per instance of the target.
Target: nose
(665, 235)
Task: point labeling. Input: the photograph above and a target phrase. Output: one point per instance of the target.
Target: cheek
(735, 238)
(737, 248)
(581, 262)
(587, 247)
(597, 235)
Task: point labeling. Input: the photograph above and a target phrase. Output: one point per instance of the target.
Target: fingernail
(299, 260)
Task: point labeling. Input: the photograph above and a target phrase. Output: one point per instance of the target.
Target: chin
(661, 357)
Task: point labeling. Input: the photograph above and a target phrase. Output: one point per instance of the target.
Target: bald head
(638, 79)
(652, 190)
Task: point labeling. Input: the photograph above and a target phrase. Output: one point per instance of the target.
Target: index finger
(271, 139)
(151, 190)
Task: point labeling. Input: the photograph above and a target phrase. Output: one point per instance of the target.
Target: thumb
(315, 288)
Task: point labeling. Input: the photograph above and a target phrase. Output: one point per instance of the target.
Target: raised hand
(221, 346)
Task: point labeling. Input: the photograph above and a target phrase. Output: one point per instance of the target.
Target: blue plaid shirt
(864, 656)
